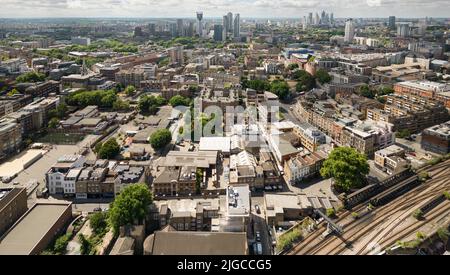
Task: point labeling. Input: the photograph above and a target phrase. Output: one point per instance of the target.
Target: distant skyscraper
(173, 29)
(190, 29)
(331, 18)
(317, 19)
(152, 28)
(138, 32)
(422, 27)
(218, 33)
(403, 30)
(322, 17)
(180, 27)
(392, 22)
(230, 22)
(310, 18)
(225, 25)
(349, 31)
(237, 26)
(199, 22)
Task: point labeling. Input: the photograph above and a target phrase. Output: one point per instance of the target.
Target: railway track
(355, 229)
(392, 216)
(406, 232)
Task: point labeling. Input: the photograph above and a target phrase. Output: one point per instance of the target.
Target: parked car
(258, 236)
(258, 209)
(259, 249)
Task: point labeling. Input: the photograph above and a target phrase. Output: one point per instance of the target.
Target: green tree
(86, 247)
(61, 244)
(98, 147)
(100, 98)
(160, 139)
(331, 212)
(99, 222)
(30, 77)
(323, 76)
(305, 80)
(110, 149)
(130, 206)
(280, 88)
(130, 90)
(61, 110)
(443, 234)
(13, 92)
(347, 166)
(148, 104)
(365, 91)
(257, 84)
(121, 105)
(385, 91)
(418, 214)
(53, 123)
(403, 133)
(179, 100)
(108, 99)
(293, 66)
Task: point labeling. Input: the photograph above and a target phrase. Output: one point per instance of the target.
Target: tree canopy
(256, 84)
(53, 123)
(99, 98)
(98, 222)
(179, 100)
(130, 90)
(347, 166)
(12, 92)
(293, 66)
(130, 206)
(30, 77)
(323, 76)
(365, 91)
(120, 105)
(305, 80)
(160, 139)
(108, 150)
(280, 88)
(149, 104)
(59, 112)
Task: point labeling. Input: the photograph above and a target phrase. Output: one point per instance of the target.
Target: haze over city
(213, 8)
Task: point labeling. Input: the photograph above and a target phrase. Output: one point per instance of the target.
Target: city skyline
(215, 8)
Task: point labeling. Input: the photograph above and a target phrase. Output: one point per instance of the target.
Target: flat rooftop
(15, 166)
(238, 200)
(203, 159)
(197, 243)
(31, 228)
(222, 144)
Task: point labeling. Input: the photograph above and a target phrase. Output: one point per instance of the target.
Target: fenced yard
(61, 138)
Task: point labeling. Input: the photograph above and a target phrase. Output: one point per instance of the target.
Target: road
(288, 113)
(261, 225)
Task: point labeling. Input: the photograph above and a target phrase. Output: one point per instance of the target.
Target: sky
(216, 8)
